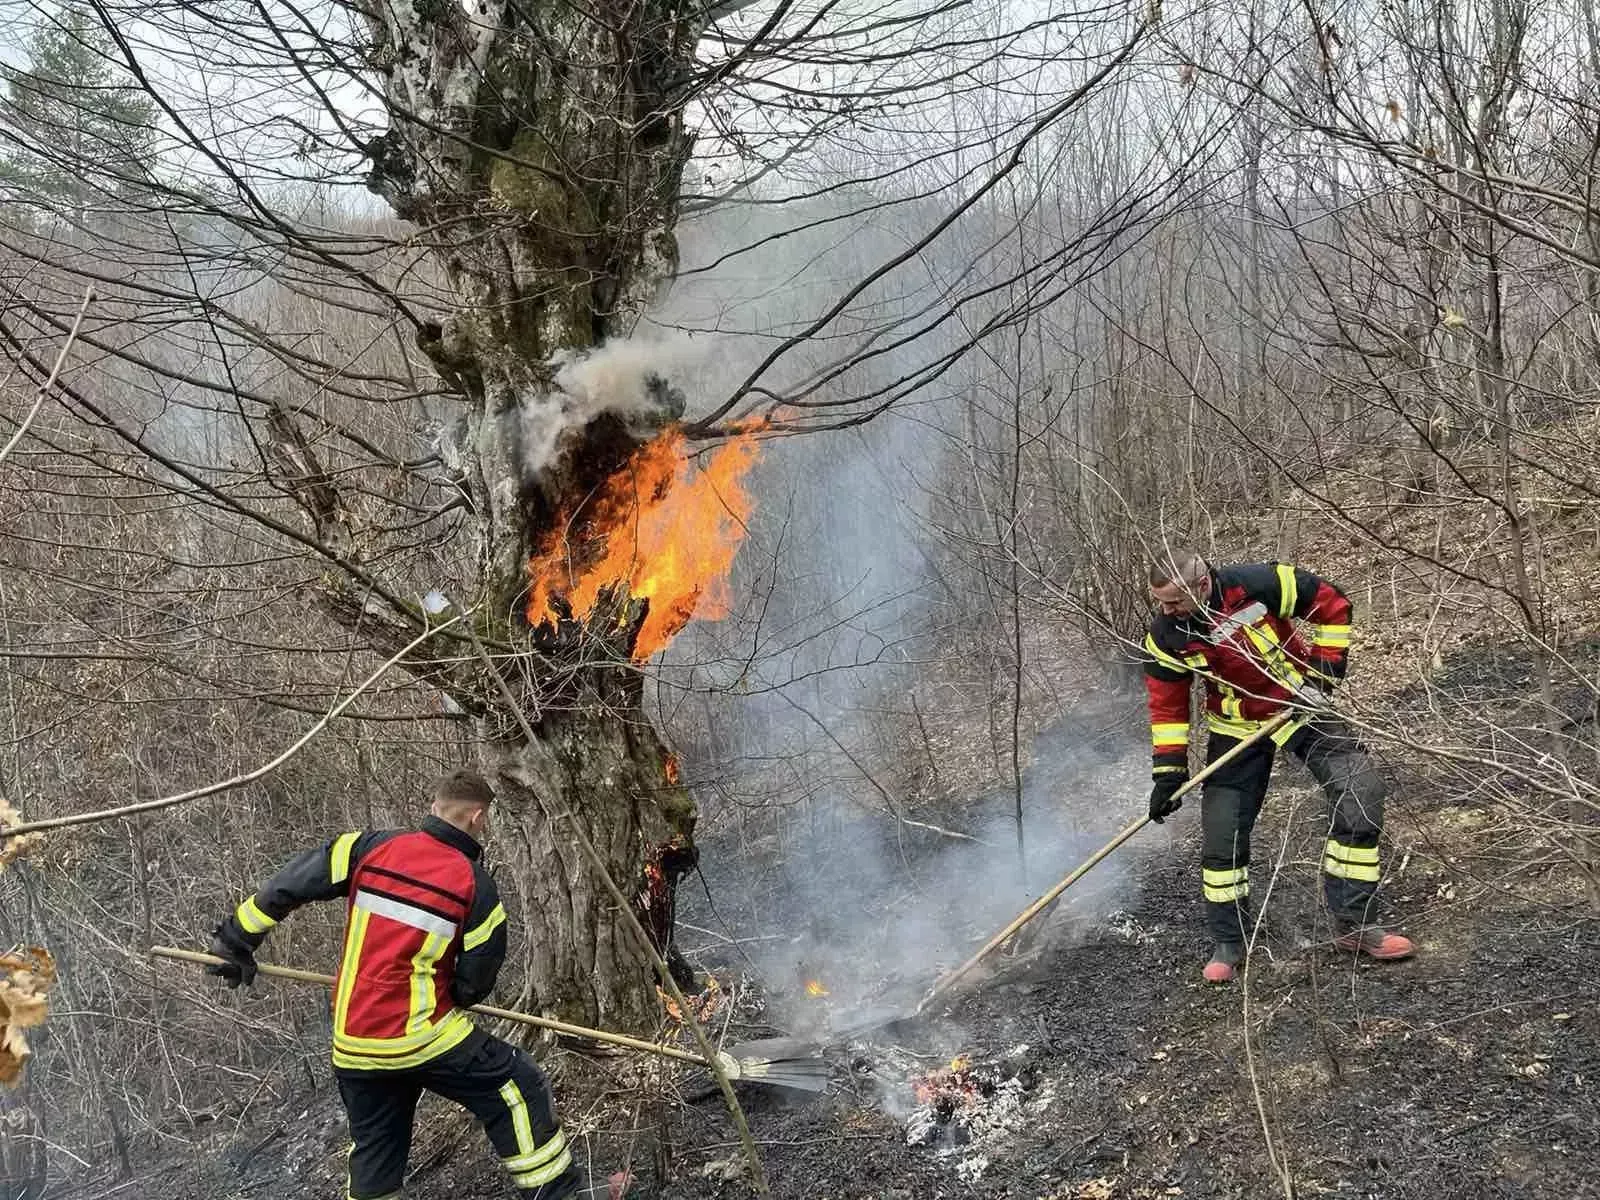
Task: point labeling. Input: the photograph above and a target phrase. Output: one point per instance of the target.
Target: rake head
(777, 1062)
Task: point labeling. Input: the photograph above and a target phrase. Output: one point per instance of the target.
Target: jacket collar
(451, 836)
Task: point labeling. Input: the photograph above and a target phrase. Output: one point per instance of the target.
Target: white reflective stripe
(406, 914)
(1228, 626)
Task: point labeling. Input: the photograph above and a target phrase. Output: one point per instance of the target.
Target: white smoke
(642, 379)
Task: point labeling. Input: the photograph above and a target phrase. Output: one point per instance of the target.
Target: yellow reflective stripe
(1162, 657)
(424, 996)
(1169, 769)
(1330, 635)
(339, 857)
(1232, 706)
(1226, 885)
(1282, 734)
(1195, 662)
(1352, 854)
(1344, 870)
(347, 967)
(1288, 590)
(1276, 664)
(480, 933)
(251, 919)
(542, 1175)
(453, 1030)
(400, 1042)
(1171, 733)
(1352, 862)
(1229, 728)
(521, 1125)
(526, 1162)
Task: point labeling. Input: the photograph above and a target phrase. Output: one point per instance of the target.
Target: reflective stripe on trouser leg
(535, 1164)
(1350, 863)
(1226, 820)
(508, 1094)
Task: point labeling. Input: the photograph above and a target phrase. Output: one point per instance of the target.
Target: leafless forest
(340, 340)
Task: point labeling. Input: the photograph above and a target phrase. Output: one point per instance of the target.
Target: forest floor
(1097, 1065)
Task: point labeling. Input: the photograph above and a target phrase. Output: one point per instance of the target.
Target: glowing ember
(663, 525)
(814, 988)
(947, 1087)
(671, 767)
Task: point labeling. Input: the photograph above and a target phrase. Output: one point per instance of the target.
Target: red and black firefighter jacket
(424, 938)
(1247, 647)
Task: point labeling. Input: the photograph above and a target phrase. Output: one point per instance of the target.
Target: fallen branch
(211, 789)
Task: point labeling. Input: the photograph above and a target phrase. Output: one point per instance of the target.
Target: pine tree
(76, 134)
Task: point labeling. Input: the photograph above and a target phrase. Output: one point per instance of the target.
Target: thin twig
(212, 789)
(55, 371)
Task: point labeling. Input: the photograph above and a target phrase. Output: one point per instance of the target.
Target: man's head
(462, 799)
(1180, 583)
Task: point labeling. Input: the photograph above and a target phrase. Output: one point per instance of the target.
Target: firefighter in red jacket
(424, 938)
(1235, 627)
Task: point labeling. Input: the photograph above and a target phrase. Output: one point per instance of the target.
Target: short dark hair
(464, 786)
(1181, 566)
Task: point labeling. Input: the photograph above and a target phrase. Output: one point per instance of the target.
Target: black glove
(1164, 798)
(228, 942)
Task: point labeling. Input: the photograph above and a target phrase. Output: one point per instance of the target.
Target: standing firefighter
(1235, 627)
(424, 938)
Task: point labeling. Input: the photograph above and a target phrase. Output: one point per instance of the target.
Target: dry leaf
(25, 977)
(12, 848)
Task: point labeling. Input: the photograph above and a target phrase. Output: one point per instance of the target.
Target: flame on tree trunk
(539, 148)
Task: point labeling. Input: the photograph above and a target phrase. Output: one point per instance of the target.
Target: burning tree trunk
(540, 147)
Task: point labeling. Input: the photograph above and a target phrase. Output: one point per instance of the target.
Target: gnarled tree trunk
(540, 147)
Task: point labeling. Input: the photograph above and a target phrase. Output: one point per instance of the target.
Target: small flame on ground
(814, 988)
(665, 524)
(950, 1085)
(671, 767)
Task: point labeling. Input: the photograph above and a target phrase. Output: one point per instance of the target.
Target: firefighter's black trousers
(1232, 799)
(495, 1082)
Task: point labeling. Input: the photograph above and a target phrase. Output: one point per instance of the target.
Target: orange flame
(952, 1083)
(814, 988)
(666, 527)
(671, 765)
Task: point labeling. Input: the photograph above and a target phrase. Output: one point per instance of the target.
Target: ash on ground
(963, 1109)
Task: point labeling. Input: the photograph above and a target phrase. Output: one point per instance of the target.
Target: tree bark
(540, 147)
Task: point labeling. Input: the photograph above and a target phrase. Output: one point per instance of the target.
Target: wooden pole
(949, 980)
(488, 1010)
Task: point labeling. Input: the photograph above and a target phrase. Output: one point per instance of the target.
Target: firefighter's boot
(1224, 964)
(1375, 942)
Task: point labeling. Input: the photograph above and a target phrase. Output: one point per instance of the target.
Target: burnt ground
(1098, 1065)
(1115, 1072)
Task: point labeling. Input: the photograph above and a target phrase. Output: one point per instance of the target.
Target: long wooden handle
(488, 1010)
(947, 981)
